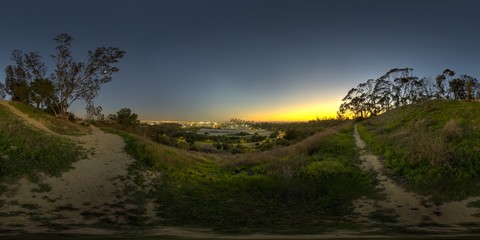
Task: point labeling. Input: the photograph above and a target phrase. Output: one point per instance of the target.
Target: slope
(82, 192)
(433, 147)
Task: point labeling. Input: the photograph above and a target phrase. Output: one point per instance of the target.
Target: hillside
(64, 178)
(433, 147)
(58, 176)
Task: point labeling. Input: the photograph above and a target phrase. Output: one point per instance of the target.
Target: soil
(92, 193)
(407, 209)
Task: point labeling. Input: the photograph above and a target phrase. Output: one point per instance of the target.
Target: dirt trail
(93, 188)
(407, 208)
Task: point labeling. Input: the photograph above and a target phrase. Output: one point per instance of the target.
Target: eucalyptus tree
(81, 80)
(3, 92)
(18, 77)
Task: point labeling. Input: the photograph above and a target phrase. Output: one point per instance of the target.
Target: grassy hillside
(298, 189)
(27, 151)
(434, 146)
(55, 124)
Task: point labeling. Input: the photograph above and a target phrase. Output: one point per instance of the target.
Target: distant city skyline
(265, 60)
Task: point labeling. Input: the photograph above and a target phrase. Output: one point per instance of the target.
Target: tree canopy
(70, 81)
(398, 87)
(124, 117)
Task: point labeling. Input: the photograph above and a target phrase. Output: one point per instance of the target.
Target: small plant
(30, 206)
(66, 207)
(474, 204)
(42, 187)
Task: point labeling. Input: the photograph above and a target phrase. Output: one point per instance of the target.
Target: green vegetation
(225, 138)
(433, 146)
(55, 124)
(25, 151)
(301, 191)
(42, 187)
(398, 87)
(26, 81)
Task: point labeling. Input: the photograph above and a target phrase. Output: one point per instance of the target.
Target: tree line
(28, 81)
(399, 87)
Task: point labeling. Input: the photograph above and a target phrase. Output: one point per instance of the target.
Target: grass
(297, 190)
(25, 151)
(432, 146)
(55, 124)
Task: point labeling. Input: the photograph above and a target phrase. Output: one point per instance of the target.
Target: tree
(457, 87)
(42, 92)
(3, 92)
(471, 87)
(94, 113)
(18, 77)
(81, 80)
(125, 117)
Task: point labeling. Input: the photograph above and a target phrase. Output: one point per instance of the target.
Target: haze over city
(258, 60)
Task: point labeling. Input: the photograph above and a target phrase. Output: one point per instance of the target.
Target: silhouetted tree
(471, 87)
(3, 92)
(81, 80)
(18, 77)
(125, 117)
(94, 113)
(457, 87)
(42, 92)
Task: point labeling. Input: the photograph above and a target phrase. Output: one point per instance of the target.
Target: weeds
(25, 151)
(30, 206)
(434, 150)
(298, 188)
(55, 124)
(66, 207)
(42, 187)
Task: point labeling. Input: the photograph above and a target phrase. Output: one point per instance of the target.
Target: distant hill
(433, 146)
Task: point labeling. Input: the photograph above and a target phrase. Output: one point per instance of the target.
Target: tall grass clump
(25, 151)
(433, 149)
(299, 189)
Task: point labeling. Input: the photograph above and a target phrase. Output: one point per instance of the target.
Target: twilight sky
(260, 60)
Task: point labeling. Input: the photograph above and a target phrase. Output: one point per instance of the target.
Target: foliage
(125, 117)
(24, 151)
(433, 146)
(71, 81)
(81, 80)
(292, 193)
(3, 91)
(55, 124)
(398, 87)
(18, 77)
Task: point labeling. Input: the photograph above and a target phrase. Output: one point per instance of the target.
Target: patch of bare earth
(29, 121)
(402, 208)
(90, 191)
(97, 196)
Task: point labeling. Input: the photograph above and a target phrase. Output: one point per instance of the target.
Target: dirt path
(406, 208)
(90, 191)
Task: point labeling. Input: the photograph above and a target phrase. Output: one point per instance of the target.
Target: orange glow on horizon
(299, 112)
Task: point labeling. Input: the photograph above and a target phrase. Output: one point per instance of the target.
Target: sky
(263, 60)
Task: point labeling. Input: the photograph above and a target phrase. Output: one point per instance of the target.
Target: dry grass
(293, 152)
(452, 129)
(429, 148)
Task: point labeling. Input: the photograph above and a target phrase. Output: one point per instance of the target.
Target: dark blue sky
(261, 60)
